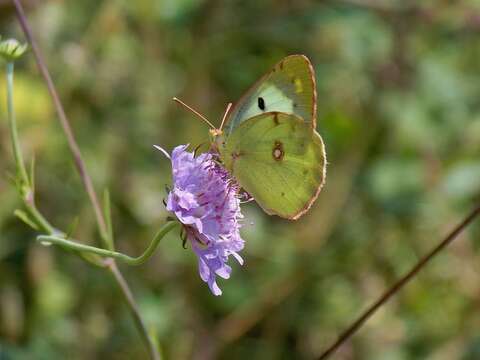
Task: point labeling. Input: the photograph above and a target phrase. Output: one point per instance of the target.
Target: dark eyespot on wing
(261, 103)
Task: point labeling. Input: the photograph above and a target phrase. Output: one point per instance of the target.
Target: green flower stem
(81, 248)
(17, 152)
(82, 170)
(67, 129)
(127, 293)
(23, 182)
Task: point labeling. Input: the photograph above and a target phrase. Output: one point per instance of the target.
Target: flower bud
(11, 49)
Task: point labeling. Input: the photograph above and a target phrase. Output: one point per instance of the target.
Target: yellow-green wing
(280, 160)
(288, 87)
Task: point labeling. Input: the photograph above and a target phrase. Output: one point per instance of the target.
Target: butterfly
(268, 140)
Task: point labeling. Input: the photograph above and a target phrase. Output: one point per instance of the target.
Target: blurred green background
(399, 110)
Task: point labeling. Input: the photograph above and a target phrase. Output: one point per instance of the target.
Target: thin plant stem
(17, 151)
(23, 181)
(357, 324)
(87, 182)
(132, 305)
(72, 143)
(82, 248)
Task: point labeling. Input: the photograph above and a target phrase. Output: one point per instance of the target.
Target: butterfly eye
(261, 104)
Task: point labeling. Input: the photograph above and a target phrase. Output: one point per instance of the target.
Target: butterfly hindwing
(279, 159)
(288, 87)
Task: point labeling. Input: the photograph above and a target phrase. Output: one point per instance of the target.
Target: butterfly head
(215, 132)
(217, 139)
(216, 136)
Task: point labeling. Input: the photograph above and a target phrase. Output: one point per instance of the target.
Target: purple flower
(205, 200)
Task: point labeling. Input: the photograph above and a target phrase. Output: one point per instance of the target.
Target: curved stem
(82, 248)
(357, 324)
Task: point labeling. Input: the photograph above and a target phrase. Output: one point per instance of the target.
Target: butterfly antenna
(194, 111)
(225, 115)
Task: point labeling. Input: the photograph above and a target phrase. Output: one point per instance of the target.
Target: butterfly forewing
(289, 87)
(280, 160)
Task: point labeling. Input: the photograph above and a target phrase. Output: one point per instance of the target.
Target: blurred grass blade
(32, 174)
(107, 213)
(72, 228)
(152, 331)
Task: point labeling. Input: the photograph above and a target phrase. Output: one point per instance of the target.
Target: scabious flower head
(205, 200)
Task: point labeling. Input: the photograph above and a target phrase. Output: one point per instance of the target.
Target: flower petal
(205, 199)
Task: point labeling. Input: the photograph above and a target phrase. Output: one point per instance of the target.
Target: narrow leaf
(72, 228)
(107, 210)
(32, 174)
(22, 215)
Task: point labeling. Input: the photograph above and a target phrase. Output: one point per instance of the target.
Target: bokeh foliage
(399, 110)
